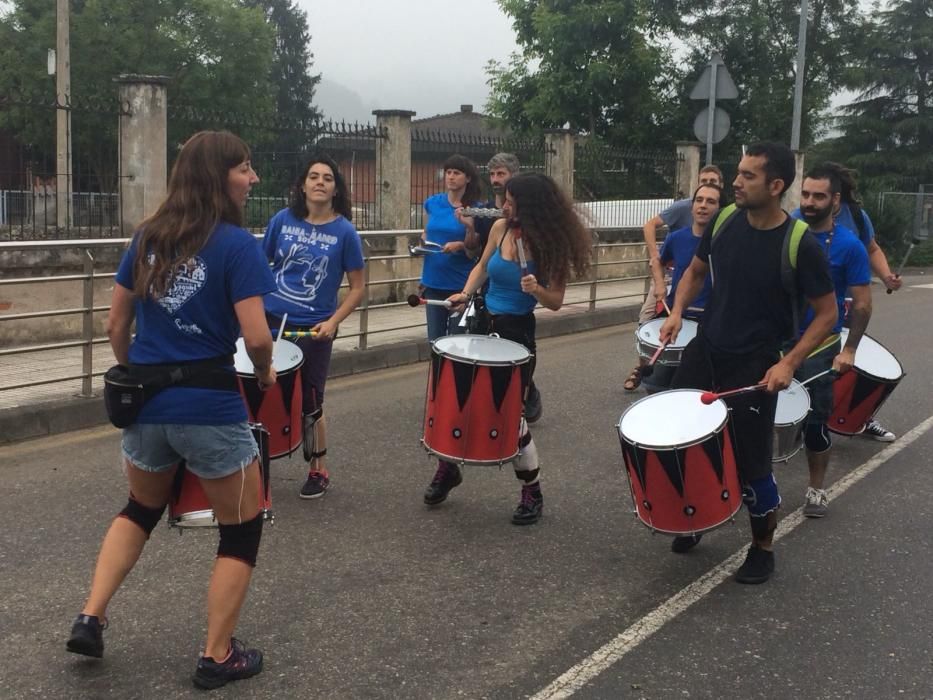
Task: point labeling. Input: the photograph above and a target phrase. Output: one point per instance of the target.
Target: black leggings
(519, 329)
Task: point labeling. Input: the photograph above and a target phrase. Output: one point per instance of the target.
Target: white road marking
(921, 286)
(589, 668)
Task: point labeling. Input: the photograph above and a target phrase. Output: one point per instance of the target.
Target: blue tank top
(505, 295)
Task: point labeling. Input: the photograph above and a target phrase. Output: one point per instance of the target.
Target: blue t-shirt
(195, 320)
(308, 263)
(678, 215)
(448, 271)
(680, 246)
(848, 266)
(505, 295)
(844, 218)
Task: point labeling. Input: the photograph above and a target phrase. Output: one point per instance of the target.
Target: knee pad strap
(145, 518)
(241, 541)
(527, 476)
(817, 438)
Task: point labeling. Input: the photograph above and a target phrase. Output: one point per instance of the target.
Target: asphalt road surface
(367, 593)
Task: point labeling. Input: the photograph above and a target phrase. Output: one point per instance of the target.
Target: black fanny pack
(128, 387)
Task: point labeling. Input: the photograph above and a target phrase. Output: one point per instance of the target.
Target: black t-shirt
(749, 309)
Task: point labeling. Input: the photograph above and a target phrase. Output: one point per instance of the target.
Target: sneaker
(242, 663)
(87, 636)
(530, 507)
(876, 431)
(445, 478)
(816, 505)
(533, 406)
(315, 486)
(684, 543)
(758, 566)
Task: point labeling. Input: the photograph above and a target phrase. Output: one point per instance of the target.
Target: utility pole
(63, 115)
(798, 83)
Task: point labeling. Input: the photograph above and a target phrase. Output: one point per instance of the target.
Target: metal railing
(89, 275)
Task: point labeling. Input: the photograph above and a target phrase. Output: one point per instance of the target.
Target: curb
(64, 415)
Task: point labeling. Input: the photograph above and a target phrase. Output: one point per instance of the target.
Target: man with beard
(849, 267)
(749, 318)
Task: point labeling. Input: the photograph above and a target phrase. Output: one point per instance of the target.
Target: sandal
(634, 380)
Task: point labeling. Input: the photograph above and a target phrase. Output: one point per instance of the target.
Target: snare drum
(189, 507)
(679, 460)
(279, 408)
(648, 340)
(473, 409)
(793, 405)
(859, 393)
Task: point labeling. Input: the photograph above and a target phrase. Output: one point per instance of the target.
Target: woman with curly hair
(529, 259)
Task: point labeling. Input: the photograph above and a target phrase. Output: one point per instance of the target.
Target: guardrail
(375, 250)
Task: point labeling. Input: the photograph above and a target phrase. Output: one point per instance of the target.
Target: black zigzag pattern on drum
(671, 461)
(713, 449)
(635, 458)
(501, 381)
(288, 390)
(861, 391)
(463, 380)
(254, 396)
(436, 364)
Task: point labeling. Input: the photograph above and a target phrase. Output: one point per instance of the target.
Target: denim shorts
(211, 451)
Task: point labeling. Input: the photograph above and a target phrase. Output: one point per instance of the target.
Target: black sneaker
(533, 406)
(758, 566)
(530, 507)
(684, 543)
(446, 477)
(242, 663)
(87, 636)
(315, 486)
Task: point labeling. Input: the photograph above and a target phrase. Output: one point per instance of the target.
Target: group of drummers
(204, 297)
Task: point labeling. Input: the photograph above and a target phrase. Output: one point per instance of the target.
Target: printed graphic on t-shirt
(190, 278)
(301, 275)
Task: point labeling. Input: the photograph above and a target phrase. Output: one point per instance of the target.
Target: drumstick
(521, 251)
(300, 334)
(707, 397)
(666, 307)
(414, 300)
(821, 374)
(648, 369)
(281, 330)
(903, 262)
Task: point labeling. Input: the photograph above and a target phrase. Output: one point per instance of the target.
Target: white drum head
(874, 359)
(793, 404)
(650, 333)
(671, 419)
(286, 356)
(481, 349)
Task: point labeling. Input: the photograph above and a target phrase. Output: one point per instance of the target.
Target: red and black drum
(680, 463)
(279, 408)
(473, 409)
(189, 507)
(859, 393)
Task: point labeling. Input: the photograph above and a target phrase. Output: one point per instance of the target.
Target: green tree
(599, 66)
(217, 55)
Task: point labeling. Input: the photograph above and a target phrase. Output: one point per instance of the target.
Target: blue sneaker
(242, 663)
(87, 636)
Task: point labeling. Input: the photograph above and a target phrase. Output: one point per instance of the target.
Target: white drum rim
(286, 357)
(469, 462)
(794, 384)
(844, 334)
(522, 355)
(719, 403)
(692, 327)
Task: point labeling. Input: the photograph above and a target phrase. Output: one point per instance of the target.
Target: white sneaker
(876, 431)
(817, 504)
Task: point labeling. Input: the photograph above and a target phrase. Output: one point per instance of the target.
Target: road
(367, 593)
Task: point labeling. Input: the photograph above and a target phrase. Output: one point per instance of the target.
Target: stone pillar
(143, 147)
(792, 196)
(393, 169)
(688, 168)
(558, 157)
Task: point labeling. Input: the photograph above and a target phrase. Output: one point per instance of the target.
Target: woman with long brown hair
(529, 259)
(192, 279)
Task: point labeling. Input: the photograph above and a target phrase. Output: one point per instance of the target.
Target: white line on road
(590, 667)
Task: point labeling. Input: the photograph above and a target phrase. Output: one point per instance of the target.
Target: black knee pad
(241, 541)
(762, 526)
(524, 440)
(527, 476)
(145, 518)
(816, 437)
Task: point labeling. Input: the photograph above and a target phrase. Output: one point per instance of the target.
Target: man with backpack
(763, 266)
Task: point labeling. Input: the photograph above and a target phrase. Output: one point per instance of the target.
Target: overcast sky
(428, 56)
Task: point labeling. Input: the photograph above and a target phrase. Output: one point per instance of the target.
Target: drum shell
(788, 433)
(683, 489)
(860, 393)
(646, 342)
(473, 409)
(188, 506)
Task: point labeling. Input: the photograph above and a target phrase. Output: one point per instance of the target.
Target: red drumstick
(648, 369)
(708, 397)
(414, 300)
